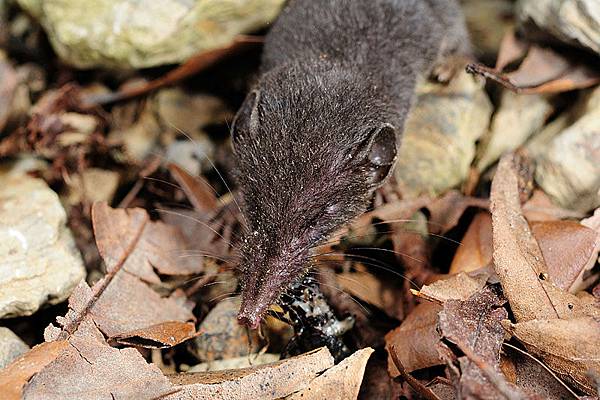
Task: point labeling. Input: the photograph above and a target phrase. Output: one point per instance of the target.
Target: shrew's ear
(381, 153)
(246, 122)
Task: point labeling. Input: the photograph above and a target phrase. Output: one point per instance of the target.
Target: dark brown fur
(319, 131)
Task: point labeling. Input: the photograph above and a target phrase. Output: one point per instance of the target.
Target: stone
(130, 34)
(440, 134)
(11, 347)
(571, 21)
(567, 156)
(39, 262)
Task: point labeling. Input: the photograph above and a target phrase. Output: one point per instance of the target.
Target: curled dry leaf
(475, 324)
(446, 210)
(542, 71)
(88, 368)
(456, 287)
(129, 305)
(162, 335)
(341, 381)
(15, 375)
(270, 381)
(530, 374)
(121, 304)
(569, 248)
(475, 250)
(162, 248)
(415, 339)
(197, 189)
(518, 261)
(571, 348)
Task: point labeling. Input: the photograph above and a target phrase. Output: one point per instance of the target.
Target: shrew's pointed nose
(250, 316)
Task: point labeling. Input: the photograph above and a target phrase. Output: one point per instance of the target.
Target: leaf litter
(487, 290)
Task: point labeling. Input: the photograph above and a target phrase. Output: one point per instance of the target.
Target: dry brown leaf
(446, 210)
(415, 339)
(569, 249)
(475, 325)
(197, 189)
(270, 381)
(518, 261)
(128, 305)
(117, 232)
(384, 294)
(475, 250)
(88, 368)
(162, 335)
(571, 348)
(341, 381)
(14, 376)
(163, 248)
(531, 375)
(542, 71)
(456, 287)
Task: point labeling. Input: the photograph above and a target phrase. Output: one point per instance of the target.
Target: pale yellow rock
(126, 34)
(39, 262)
(567, 157)
(11, 347)
(440, 134)
(573, 21)
(519, 117)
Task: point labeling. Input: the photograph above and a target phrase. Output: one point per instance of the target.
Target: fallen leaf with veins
(162, 335)
(456, 287)
(542, 71)
(570, 347)
(415, 340)
(128, 305)
(269, 381)
(15, 376)
(197, 189)
(475, 323)
(341, 381)
(120, 303)
(88, 368)
(163, 248)
(518, 260)
(475, 250)
(569, 249)
(530, 374)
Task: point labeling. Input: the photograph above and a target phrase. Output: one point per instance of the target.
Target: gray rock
(572, 21)
(11, 347)
(126, 34)
(567, 156)
(39, 262)
(440, 134)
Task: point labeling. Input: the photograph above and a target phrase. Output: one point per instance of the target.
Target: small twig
(192, 66)
(70, 327)
(491, 73)
(417, 386)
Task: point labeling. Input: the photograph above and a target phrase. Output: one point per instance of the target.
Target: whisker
(215, 169)
(378, 264)
(350, 296)
(198, 221)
